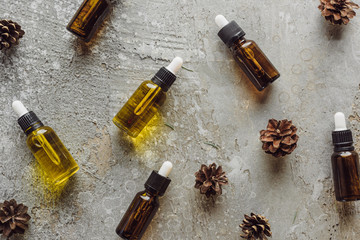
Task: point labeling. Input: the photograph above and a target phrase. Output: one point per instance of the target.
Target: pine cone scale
(10, 33)
(13, 218)
(210, 179)
(255, 227)
(279, 139)
(338, 11)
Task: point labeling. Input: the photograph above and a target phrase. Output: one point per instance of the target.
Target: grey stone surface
(77, 88)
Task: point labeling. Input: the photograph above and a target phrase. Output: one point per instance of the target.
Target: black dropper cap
(343, 140)
(29, 122)
(164, 78)
(230, 33)
(157, 183)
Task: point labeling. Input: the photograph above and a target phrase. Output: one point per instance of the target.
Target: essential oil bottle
(247, 54)
(147, 99)
(88, 18)
(145, 204)
(345, 162)
(53, 157)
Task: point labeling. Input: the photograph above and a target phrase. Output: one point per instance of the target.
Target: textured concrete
(78, 88)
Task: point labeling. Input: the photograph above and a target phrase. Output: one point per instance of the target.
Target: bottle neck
(342, 140)
(343, 147)
(164, 78)
(239, 42)
(33, 128)
(160, 84)
(157, 184)
(29, 122)
(151, 192)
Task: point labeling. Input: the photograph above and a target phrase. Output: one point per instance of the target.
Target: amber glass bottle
(146, 100)
(88, 18)
(345, 163)
(145, 204)
(51, 154)
(247, 54)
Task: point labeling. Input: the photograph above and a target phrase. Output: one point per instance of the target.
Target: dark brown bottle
(247, 54)
(345, 163)
(88, 18)
(145, 204)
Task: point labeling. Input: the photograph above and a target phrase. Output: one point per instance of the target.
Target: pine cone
(280, 137)
(10, 33)
(255, 227)
(13, 218)
(338, 11)
(210, 179)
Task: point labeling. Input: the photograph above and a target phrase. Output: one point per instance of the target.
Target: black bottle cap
(164, 78)
(343, 137)
(231, 33)
(157, 183)
(29, 122)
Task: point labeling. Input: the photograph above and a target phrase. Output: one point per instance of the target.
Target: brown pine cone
(10, 33)
(279, 139)
(210, 180)
(338, 11)
(13, 218)
(255, 227)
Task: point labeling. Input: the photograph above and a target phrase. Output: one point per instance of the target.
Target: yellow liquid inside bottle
(51, 154)
(140, 108)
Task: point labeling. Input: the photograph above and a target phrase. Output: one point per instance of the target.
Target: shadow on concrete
(331, 31)
(275, 166)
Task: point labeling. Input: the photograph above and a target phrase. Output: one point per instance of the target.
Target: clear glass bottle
(51, 154)
(145, 205)
(345, 162)
(146, 100)
(247, 54)
(88, 18)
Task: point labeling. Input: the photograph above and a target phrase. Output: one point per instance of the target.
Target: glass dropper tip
(221, 21)
(340, 121)
(165, 169)
(19, 108)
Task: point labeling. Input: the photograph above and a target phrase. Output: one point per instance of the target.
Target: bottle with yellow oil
(51, 154)
(147, 99)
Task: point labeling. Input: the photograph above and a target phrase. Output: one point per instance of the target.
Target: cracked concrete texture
(78, 88)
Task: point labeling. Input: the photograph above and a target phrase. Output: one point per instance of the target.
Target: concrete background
(77, 88)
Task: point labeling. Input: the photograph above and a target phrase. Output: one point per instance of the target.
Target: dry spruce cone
(210, 180)
(279, 139)
(338, 11)
(13, 218)
(255, 227)
(10, 33)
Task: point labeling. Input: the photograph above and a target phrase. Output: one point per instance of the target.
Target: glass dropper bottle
(51, 154)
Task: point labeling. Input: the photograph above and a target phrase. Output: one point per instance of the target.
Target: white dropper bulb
(221, 21)
(19, 108)
(340, 122)
(175, 65)
(165, 169)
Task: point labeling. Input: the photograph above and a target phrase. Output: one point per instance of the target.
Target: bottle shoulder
(151, 85)
(345, 154)
(44, 130)
(147, 196)
(244, 43)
